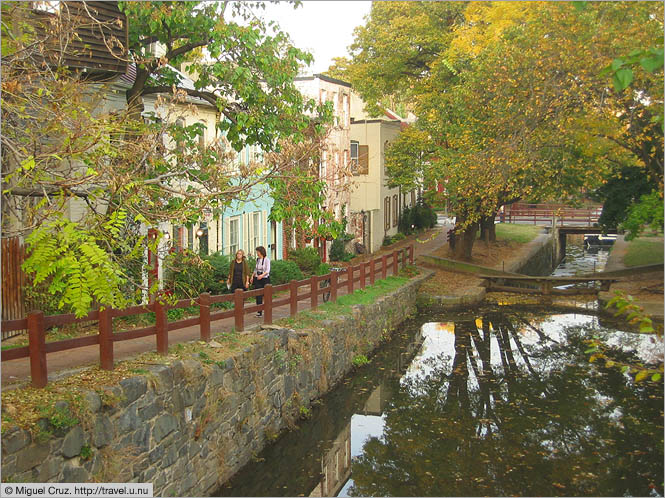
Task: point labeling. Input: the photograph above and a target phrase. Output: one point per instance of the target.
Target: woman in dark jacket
(261, 275)
(238, 272)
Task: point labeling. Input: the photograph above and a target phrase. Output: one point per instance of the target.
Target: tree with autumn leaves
(62, 142)
(510, 98)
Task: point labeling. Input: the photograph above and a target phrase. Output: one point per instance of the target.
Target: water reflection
(492, 404)
(505, 407)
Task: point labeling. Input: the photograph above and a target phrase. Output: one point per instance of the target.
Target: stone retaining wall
(540, 258)
(189, 426)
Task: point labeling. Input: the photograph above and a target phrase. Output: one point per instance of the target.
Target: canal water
(499, 401)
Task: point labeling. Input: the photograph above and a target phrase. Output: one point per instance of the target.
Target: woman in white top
(261, 275)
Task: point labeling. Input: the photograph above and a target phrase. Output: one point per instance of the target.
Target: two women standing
(239, 277)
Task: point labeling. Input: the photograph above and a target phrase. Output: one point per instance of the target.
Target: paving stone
(134, 388)
(73, 442)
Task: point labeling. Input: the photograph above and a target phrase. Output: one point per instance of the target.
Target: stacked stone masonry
(188, 427)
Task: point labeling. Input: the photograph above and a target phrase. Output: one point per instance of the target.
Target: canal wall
(540, 257)
(189, 426)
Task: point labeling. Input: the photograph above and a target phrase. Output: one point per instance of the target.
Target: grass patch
(344, 303)
(643, 251)
(517, 233)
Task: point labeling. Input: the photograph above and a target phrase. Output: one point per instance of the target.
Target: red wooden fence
(37, 323)
(13, 282)
(544, 213)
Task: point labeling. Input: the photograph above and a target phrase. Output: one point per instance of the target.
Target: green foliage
(220, 270)
(78, 270)
(307, 259)
(283, 271)
(338, 251)
(648, 212)
(186, 274)
(86, 452)
(621, 190)
(360, 360)
(305, 412)
(323, 269)
(418, 217)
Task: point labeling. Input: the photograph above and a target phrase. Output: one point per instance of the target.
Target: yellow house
(374, 207)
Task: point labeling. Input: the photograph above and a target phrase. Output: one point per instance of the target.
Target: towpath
(59, 364)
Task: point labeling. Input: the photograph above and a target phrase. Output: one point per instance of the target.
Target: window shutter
(363, 159)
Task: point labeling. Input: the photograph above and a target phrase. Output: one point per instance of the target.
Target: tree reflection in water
(505, 416)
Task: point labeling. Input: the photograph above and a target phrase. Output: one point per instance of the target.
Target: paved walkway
(17, 372)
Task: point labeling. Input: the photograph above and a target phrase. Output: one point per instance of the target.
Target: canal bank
(190, 425)
(538, 257)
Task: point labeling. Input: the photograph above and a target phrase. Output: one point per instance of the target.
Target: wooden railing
(544, 215)
(37, 323)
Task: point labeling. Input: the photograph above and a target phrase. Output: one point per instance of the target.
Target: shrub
(220, 271)
(283, 271)
(337, 250)
(307, 259)
(186, 274)
(398, 236)
(387, 240)
(322, 269)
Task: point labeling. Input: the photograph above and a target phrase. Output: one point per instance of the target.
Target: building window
(395, 210)
(256, 229)
(386, 213)
(354, 157)
(190, 237)
(233, 236)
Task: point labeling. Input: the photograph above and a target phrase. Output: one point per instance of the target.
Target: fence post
(267, 304)
(411, 254)
(384, 266)
(160, 326)
(362, 275)
(37, 346)
(314, 286)
(349, 278)
(204, 316)
(293, 303)
(333, 286)
(395, 262)
(371, 272)
(106, 339)
(238, 309)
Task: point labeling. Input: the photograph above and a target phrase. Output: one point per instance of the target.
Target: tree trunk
(487, 229)
(464, 240)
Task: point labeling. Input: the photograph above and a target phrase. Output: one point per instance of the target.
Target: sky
(323, 28)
